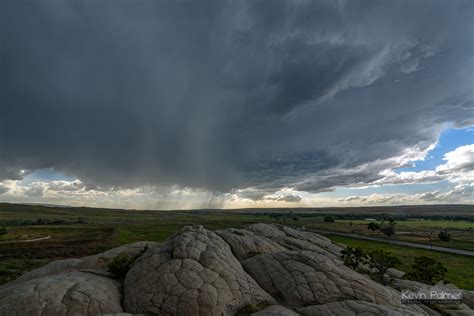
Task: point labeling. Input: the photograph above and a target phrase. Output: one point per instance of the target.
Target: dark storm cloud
(228, 94)
(289, 198)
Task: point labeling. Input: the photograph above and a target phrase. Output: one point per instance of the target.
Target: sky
(227, 104)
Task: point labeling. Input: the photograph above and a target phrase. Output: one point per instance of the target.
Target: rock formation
(261, 270)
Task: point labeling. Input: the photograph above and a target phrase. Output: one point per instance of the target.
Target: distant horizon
(250, 208)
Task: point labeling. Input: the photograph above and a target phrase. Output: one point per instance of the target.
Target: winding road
(24, 240)
(398, 242)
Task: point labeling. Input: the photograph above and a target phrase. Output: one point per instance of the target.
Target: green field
(460, 268)
(77, 232)
(419, 231)
(434, 224)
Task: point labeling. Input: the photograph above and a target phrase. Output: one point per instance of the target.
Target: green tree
(353, 257)
(379, 262)
(388, 230)
(426, 270)
(444, 236)
(373, 226)
(329, 219)
(3, 231)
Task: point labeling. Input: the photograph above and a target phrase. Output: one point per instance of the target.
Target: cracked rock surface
(275, 310)
(355, 308)
(305, 278)
(97, 263)
(261, 270)
(67, 293)
(193, 273)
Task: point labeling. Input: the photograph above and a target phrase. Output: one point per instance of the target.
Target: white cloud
(408, 177)
(462, 193)
(458, 168)
(288, 195)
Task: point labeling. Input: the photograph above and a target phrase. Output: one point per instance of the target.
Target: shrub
(82, 220)
(120, 265)
(388, 230)
(426, 270)
(444, 236)
(373, 226)
(353, 257)
(329, 219)
(3, 231)
(122, 262)
(380, 261)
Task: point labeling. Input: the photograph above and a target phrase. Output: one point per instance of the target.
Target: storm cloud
(226, 95)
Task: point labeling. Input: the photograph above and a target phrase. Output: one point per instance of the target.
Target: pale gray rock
(468, 298)
(275, 310)
(401, 284)
(68, 293)
(51, 268)
(100, 261)
(307, 278)
(245, 243)
(297, 240)
(267, 230)
(395, 274)
(95, 262)
(356, 308)
(192, 273)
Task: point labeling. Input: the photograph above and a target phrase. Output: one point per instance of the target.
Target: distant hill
(452, 210)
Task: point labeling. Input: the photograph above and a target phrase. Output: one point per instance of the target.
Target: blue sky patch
(46, 175)
(449, 140)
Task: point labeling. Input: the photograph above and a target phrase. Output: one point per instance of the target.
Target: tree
(3, 231)
(444, 236)
(388, 230)
(329, 219)
(373, 226)
(353, 258)
(426, 270)
(380, 261)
